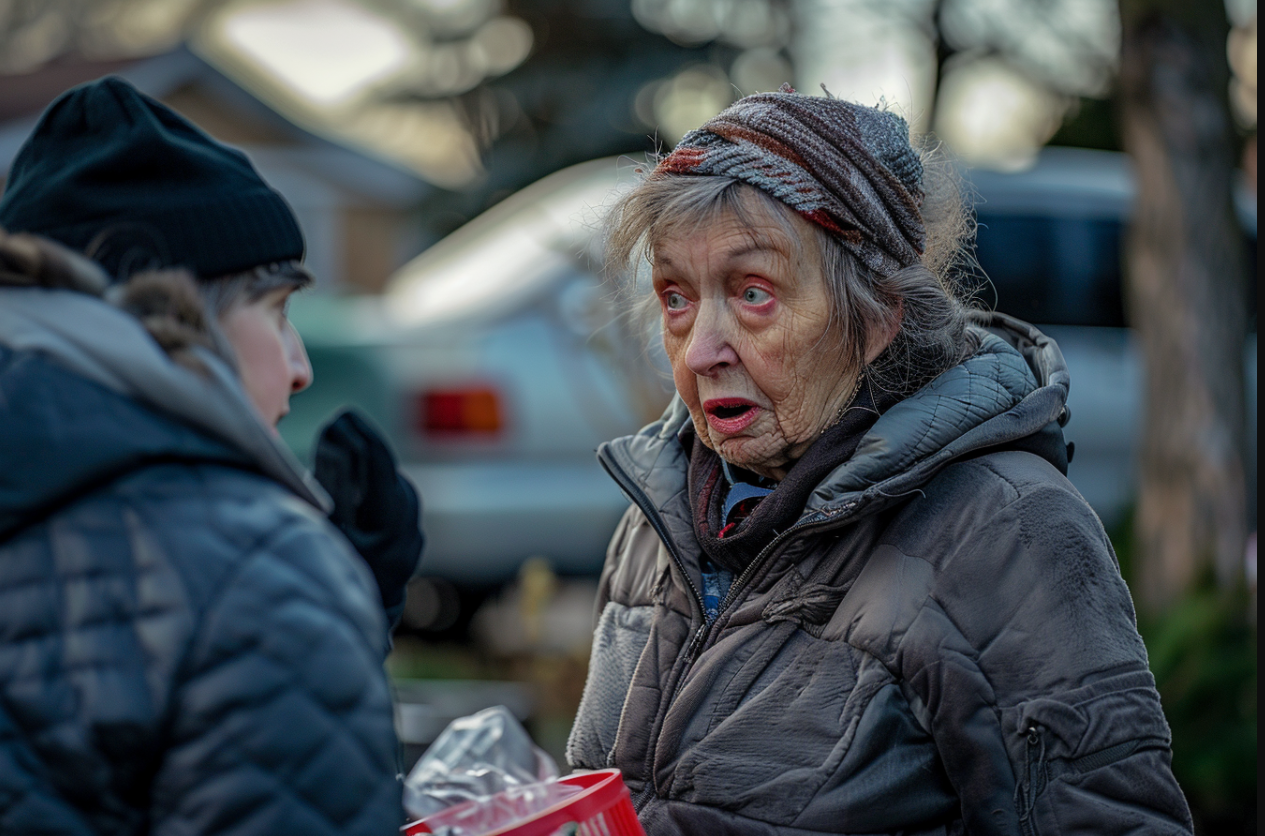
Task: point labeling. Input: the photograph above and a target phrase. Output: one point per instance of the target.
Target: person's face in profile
(272, 361)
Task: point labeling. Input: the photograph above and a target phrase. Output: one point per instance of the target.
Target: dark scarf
(780, 509)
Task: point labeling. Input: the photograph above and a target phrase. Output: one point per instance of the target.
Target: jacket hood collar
(96, 341)
(1014, 386)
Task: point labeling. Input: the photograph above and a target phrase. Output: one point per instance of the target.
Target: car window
(1052, 270)
(1060, 270)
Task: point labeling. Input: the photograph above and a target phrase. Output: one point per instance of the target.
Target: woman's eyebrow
(757, 245)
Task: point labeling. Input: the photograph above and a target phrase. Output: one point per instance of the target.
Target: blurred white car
(496, 361)
(496, 365)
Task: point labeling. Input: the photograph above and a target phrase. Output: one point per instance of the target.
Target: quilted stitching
(203, 611)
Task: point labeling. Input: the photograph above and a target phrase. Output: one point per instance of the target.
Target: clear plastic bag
(504, 809)
(487, 757)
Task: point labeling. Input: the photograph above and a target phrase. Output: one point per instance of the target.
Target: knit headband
(847, 168)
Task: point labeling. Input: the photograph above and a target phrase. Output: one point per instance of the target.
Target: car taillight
(468, 411)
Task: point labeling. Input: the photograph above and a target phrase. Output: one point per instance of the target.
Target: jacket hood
(87, 395)
(1011, 392)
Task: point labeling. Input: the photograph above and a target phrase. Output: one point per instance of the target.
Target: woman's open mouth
(730, 415)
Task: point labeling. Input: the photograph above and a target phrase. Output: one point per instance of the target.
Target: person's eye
(674, 301)
(756, 296)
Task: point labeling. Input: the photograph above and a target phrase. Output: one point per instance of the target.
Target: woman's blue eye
(756, 296)
(674, 301)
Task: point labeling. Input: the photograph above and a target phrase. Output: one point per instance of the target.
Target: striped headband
(848, 168)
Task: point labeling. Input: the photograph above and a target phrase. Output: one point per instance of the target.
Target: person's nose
(300, 366)
(710, 348)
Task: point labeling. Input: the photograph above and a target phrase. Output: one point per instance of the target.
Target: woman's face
(747, 330)
(270, 356)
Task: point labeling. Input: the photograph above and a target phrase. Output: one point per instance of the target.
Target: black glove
(374, 505)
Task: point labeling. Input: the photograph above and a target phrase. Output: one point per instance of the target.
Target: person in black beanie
(189, 638)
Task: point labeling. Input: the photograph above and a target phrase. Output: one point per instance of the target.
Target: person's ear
(883, 333)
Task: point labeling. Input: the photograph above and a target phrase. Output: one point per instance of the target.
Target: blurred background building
(495, 352)
(474, 99)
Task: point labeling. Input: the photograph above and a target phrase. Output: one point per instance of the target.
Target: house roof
(227, 110)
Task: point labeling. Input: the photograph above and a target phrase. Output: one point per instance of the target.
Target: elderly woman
(855, 592)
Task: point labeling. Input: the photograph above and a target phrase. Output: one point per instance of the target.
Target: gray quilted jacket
(187, 646)
(942, 644)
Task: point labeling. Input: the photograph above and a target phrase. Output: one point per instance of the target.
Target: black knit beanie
(122, 178)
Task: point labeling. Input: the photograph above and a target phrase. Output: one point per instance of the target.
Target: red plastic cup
(604, 808)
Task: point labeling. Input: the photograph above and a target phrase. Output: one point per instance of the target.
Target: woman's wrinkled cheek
(781, 382)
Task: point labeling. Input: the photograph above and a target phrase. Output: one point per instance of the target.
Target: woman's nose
(300, 366)
(709, 349)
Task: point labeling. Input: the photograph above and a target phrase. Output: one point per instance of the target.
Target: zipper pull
(696, 641)
(1034, 757)
(1033, 734)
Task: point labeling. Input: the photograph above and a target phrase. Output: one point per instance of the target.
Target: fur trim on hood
(166, 302)
(150, 339)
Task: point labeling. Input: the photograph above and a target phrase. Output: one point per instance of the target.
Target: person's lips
(730, 415)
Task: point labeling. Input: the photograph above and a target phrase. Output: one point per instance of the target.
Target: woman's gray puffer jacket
(187, 645)
(942, 643)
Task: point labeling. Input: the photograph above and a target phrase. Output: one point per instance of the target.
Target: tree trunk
(1186, 290)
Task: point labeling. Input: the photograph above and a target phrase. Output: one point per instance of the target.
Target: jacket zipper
(1039, 770)
(761, 558)
(698, 640)
(634, 492)
(638, 497)
(1031, 784)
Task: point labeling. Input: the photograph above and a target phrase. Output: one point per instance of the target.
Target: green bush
(1203, 654)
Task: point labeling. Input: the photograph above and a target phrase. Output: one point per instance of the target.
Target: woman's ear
(882, 334)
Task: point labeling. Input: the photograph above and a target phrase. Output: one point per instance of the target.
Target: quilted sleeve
(1029, 669)
(615, 552)
(281, 720)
